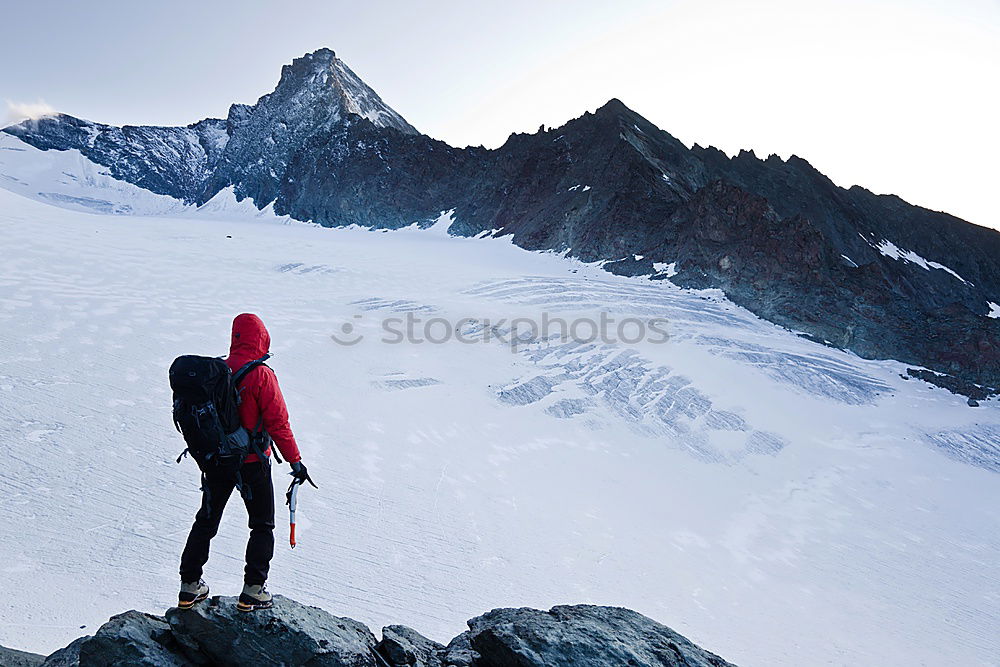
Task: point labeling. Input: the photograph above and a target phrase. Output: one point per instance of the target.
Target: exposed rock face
(581, 636)
(356, 173)
(173, 161)
(459, 652)
(788, 271)
(132, 638)
(401, 645)
(291, 634)
(288, 634)
(859, 271)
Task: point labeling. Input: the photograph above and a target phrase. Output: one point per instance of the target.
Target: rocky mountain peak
(312, 102)
(614, 106)
(322, 77)
(614, 110)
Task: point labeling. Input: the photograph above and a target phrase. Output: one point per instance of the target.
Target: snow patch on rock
(442, 222)
(668, 269)
(891, 250)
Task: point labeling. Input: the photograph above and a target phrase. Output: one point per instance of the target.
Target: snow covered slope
(779, 501)
(70, 180)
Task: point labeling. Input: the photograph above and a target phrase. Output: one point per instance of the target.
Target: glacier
(778, 500)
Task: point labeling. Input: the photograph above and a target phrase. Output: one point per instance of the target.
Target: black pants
(259, 500)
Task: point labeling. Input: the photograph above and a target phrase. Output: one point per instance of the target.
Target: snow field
(776, 501)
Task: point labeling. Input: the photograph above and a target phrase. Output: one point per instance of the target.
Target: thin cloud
(18, 111)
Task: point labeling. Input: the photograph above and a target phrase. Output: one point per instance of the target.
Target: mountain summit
(321, 88)
(316, 94)
(356, 97)
(849, 268)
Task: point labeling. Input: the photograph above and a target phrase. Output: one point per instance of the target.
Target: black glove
(300, 475)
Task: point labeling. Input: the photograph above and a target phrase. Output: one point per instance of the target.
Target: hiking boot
(254, 597)
(191, 592)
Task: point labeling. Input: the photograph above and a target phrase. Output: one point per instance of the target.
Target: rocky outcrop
(132, 638)
(859, 271)
(290, 634)
(401, 645)
(581, 636)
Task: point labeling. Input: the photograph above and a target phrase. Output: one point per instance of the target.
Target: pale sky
(899, 96)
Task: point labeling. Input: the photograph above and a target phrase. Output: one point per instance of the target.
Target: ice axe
(292, 499)
(300, 476)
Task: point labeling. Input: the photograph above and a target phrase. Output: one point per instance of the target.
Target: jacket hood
(250, 338)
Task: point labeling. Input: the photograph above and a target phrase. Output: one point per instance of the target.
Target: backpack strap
(258, 432)
(247, 367)
(256, 438)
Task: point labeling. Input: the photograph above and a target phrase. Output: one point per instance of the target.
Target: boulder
(460, 652)
(68, 656)
(405, 647)
(287, 634)
(133, 638)
(581, 636)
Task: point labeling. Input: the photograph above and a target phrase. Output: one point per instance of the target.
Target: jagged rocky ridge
(290, 634)
(864, 272)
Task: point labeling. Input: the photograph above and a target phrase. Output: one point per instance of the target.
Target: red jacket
(259, 391)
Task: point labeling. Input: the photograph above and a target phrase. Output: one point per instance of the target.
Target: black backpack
(206, 412)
